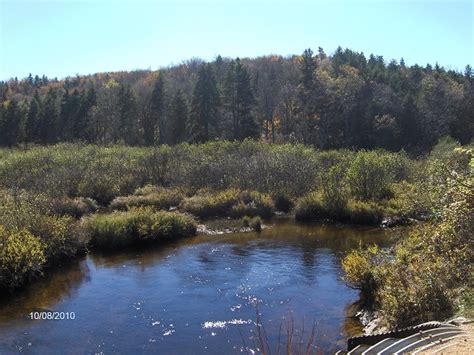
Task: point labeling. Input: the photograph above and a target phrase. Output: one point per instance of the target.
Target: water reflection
(45, 295)
(159, 299)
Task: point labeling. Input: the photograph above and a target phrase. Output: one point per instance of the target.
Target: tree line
(343, 100)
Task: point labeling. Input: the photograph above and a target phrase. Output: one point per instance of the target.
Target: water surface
(194, 296)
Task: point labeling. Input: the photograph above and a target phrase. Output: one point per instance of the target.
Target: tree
(49, 119)
(239, 100)
(70, 106)
(438, 103)
(83, 127)
(204, 106)
(32, 119)
(105, 119)
(154, 118)
(128, 115)
(247, 127)
(11, 124)
(178, 118)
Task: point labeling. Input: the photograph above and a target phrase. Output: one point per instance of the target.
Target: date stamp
(50, 315)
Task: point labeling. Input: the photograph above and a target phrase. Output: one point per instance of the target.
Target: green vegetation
(255, 223)
(330, 101)
(140, 225)
(151, 196)
(21, 257)
(75, 207)
(229, 203)
(428, 275)
(48, 209)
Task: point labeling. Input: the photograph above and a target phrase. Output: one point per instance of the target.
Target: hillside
(343, 100)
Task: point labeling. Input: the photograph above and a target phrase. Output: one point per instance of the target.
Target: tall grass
(137, 226)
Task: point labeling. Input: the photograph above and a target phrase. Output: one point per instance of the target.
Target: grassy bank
(137, 226)
(428, 275)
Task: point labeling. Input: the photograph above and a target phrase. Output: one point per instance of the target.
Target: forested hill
(341, 101)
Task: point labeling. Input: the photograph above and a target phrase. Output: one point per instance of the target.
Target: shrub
(359, 268)
(230, 202)
(369, 175)
(255, 223)
(21, 257)
(311, 207)
(155, 197)
(136, 226)
(283, 202)
(246, 221)
(76, 207)
(22, 210)
(367, 213)
(427, 274)
(333, 187)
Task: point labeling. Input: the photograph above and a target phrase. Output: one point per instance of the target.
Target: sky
(68, 37)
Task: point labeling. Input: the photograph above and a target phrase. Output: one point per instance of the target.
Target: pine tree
(178, 118)
(204, 106)
(128, 115)
(32, 119)
(48, 123)
(154, 118)
(230, 98)
(239, 100)
(247, 127)
(83, 127)
(11, 124)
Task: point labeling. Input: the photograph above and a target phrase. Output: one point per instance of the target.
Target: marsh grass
(233, 203)
(149, 196)
(137, 226)
(75, 207)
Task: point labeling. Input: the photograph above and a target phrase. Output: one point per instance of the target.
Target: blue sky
(60, 38)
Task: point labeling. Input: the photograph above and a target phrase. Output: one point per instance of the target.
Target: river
(198, 295)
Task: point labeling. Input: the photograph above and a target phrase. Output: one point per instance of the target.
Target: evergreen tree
(11, 124)
(154, 118)
(32, 119)
(48, 123)
(307, 91)
(178, 118)
(204, 106)
(66, 116)
(83, 127)
(128, 115)
(247, 127)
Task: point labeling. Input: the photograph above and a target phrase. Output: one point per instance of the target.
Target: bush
(119, 229)
(21, 257)
(283, 202)
(231, 202)
(255, 223)
(59, 235)
(155, 197)
(22, 210)
(76, 207)
(360, 273)
(367, 213)
(333, 188)
(311, 207)
(427, 275)
(370, 174)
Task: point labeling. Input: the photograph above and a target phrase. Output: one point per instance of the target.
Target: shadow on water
(46, 293)
(195, 295)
